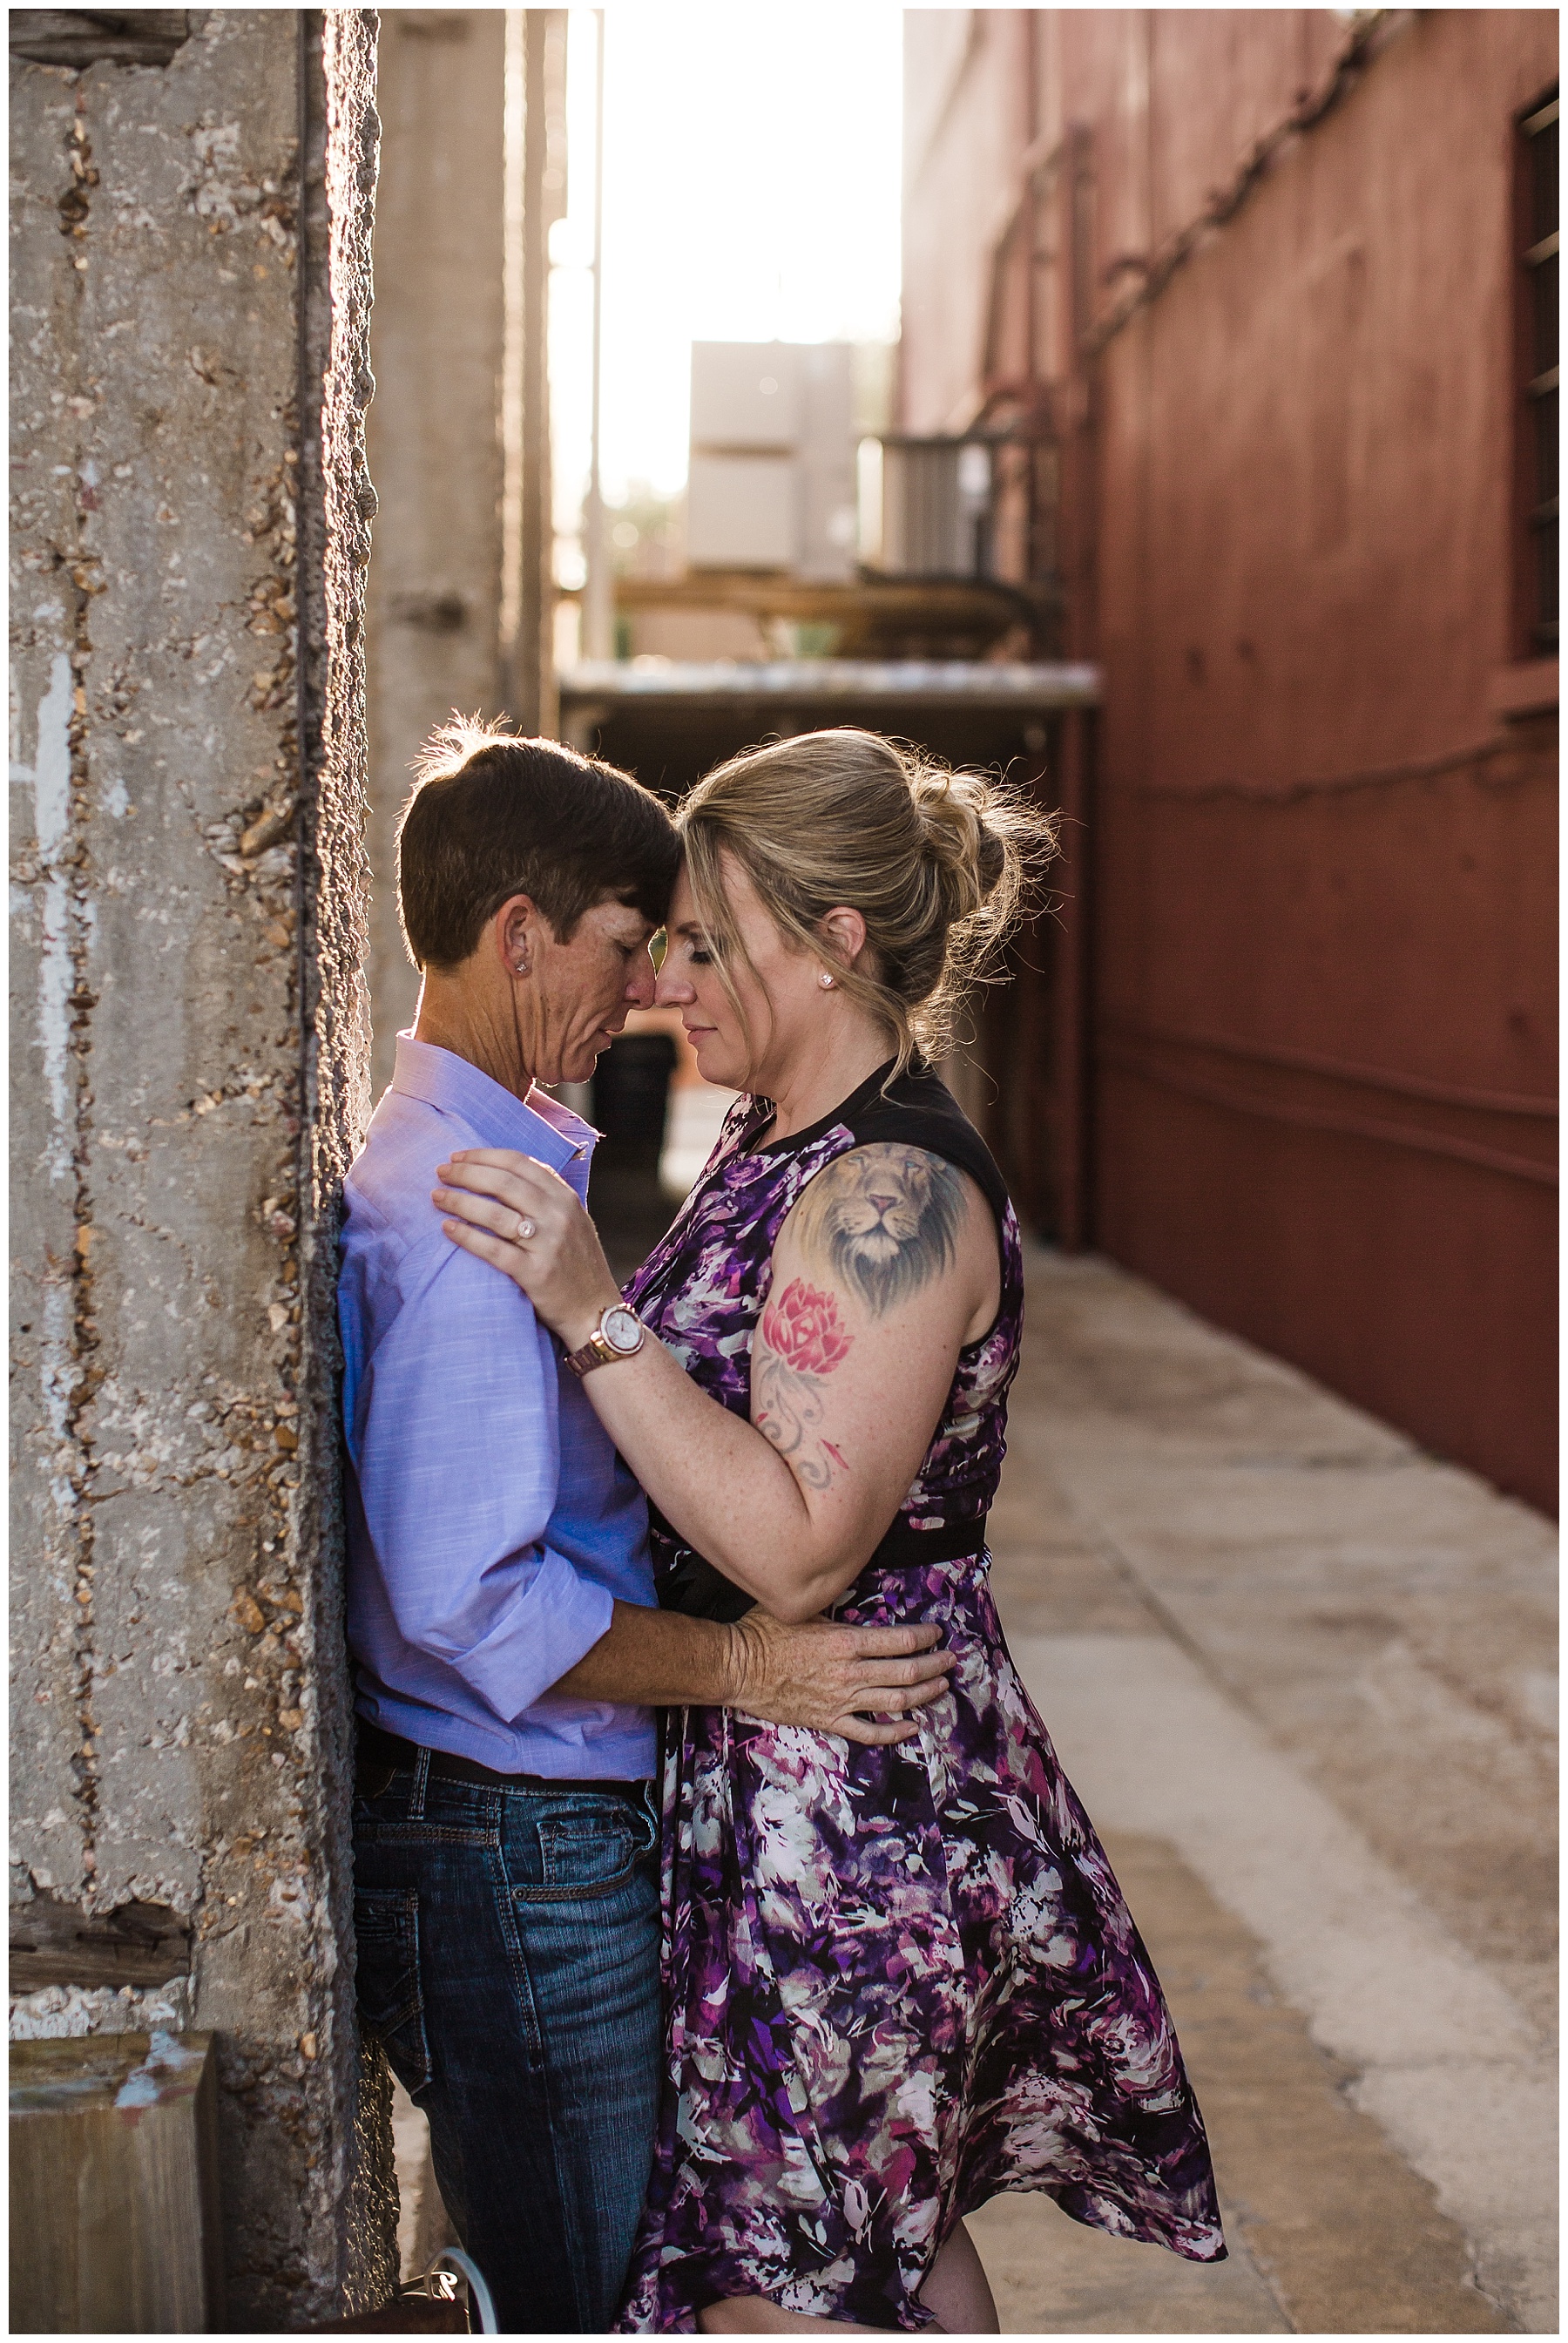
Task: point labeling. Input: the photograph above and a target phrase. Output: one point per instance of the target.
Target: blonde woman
(898, 1979)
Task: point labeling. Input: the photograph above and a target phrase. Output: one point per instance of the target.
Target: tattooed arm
(879, 1229)
(886, 1267)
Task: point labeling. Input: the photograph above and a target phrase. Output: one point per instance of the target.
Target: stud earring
(826, 982)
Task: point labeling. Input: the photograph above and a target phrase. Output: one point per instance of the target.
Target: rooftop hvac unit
(743, 511)
(772, 481)
(926, 507)
(746, 394)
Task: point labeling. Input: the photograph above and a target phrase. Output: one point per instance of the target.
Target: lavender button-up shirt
(491, 1523)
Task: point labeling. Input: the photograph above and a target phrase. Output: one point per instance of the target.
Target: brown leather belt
(378, 1751)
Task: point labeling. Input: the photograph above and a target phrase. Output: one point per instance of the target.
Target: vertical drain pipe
(597, 621)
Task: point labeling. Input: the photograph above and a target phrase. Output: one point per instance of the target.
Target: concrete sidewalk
(1303, 1677)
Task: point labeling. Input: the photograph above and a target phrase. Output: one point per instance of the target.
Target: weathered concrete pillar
(190, 294)
(437, 343)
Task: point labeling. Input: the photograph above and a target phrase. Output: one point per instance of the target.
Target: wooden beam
(55, 1943)
(113, 2185)
(874, 617)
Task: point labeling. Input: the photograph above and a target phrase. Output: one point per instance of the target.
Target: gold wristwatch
(620, 1334)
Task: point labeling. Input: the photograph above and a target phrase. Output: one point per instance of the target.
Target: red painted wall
(1322, 1042)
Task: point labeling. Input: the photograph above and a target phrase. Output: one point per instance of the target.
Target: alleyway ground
(1302, 1676)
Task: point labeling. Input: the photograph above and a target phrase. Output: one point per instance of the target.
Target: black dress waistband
(694, 1587)
(904, 1547)
(378, 1749)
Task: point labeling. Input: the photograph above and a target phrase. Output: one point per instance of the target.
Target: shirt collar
(538, 1126)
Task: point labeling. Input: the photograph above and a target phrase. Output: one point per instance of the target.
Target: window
(1539, 340)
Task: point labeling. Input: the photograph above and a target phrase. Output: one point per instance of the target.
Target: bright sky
(752, 160)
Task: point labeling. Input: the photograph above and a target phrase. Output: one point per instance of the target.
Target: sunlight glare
(752, 184)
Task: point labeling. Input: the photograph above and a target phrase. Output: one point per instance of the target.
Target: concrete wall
(1323, 1035)
(190, 295)
(437, 350)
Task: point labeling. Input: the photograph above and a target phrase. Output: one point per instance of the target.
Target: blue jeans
(508, 1960)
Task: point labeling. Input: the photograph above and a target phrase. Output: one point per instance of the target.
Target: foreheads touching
(752, 992)
(900, 878)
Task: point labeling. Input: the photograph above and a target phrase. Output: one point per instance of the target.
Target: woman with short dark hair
(492, 815)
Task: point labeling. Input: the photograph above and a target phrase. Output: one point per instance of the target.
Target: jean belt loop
(421, 1775)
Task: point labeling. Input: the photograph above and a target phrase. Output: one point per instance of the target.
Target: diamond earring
(826, 982)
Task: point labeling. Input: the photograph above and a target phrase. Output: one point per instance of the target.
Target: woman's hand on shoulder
(523, 1219)
(884, 1269)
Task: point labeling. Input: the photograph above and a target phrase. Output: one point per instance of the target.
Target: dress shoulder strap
(920, 1110)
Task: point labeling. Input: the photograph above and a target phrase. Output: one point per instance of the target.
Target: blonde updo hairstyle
(939, 864)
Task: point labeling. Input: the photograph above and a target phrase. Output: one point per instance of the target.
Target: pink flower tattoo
(804, 1328)
(803, 1339)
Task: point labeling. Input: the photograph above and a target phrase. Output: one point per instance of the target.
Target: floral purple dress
(897, 1980)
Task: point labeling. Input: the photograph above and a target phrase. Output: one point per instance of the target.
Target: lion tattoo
(885, 1219)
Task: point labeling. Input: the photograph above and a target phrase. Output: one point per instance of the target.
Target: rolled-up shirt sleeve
(455, 1444)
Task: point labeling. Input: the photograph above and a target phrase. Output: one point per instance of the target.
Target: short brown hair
(492, 816)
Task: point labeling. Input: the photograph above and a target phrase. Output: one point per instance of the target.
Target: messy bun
(937, 863)
(967, 850)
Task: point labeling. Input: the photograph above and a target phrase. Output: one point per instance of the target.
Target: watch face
(622, 1329)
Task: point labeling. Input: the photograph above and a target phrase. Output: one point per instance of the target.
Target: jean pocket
(386, 1979)
(583, 1851)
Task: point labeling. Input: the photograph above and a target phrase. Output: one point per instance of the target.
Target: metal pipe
(1074, 964)
(597, 643)
(532, 675)
(452, 2259)
(514, 97)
